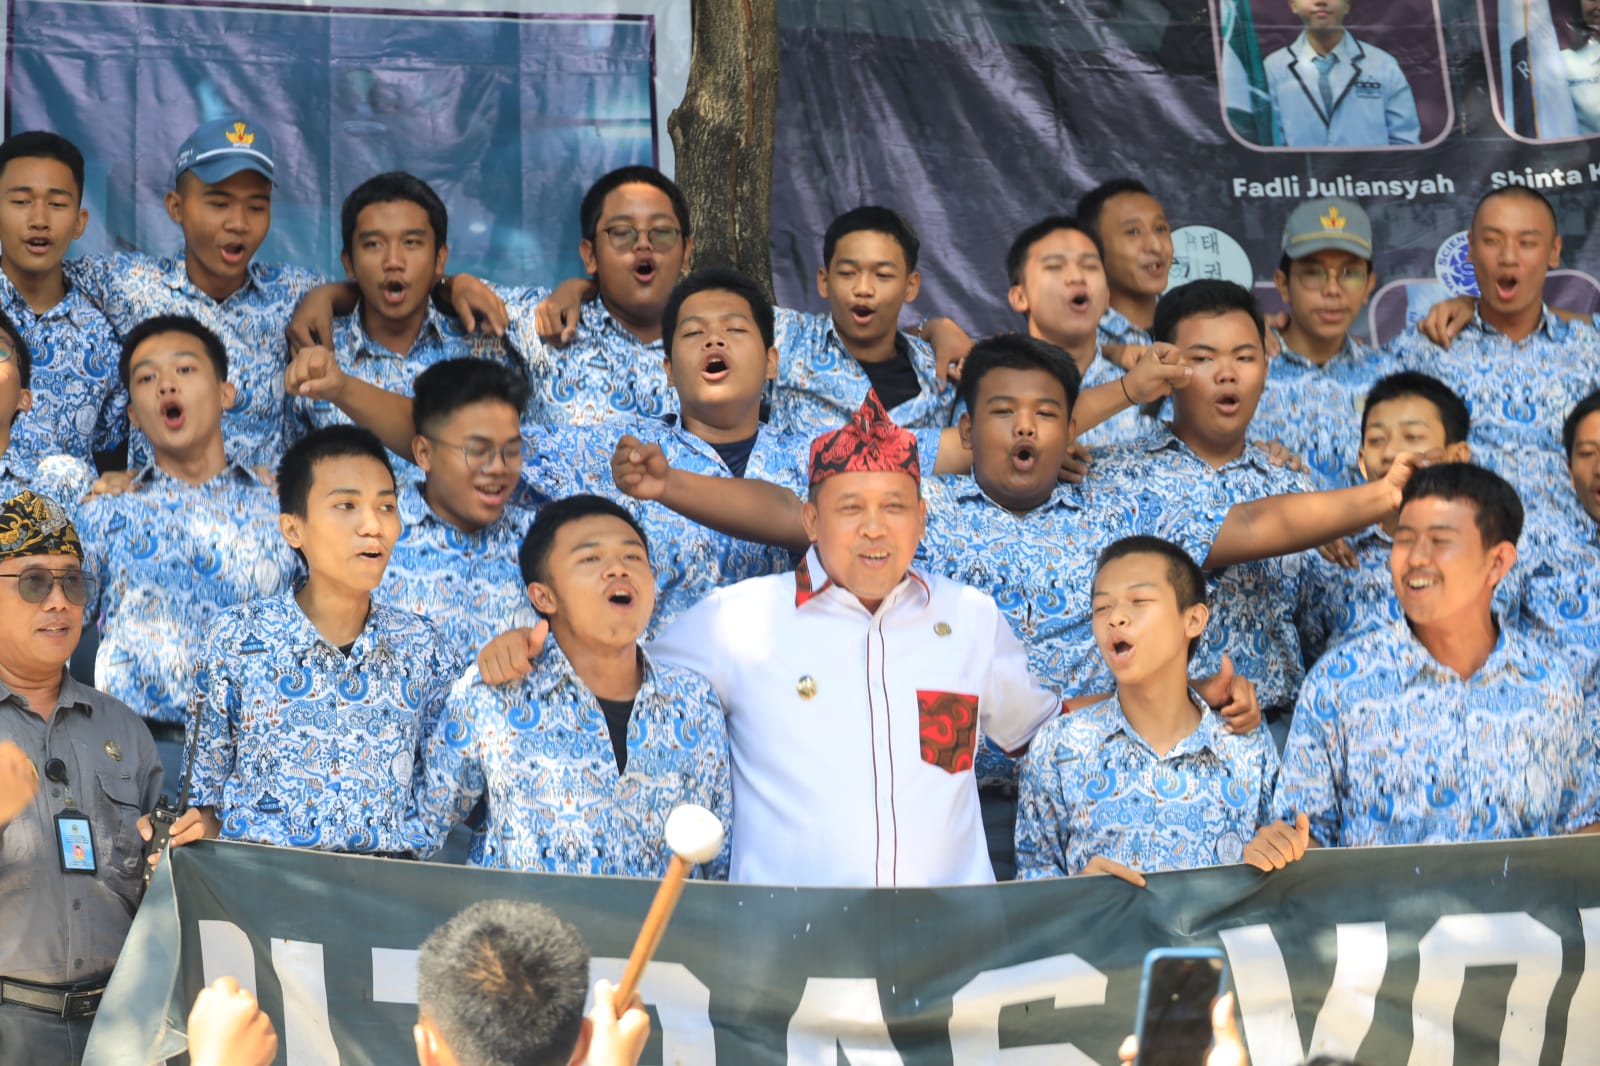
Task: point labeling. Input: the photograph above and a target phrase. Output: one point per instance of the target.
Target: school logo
(240, 136)
(1453, 268)
(1334, 220)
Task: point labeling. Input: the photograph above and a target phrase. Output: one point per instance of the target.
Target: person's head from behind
(1057, 281)
(1412, 412)
(1148, 608)
(1513, 244)
(1321, 14)
(176, 372)
(394, 228)
(1217, 328)
(42, 586)
(502, 984)
(1325, 273)
(16, 374)
(636, 240)
(1135, 237)
(1019, 393)
(41, 202)
(467, 414)
(337, 507)
(1455, 540)
(868, 273)
(717, 332)
(586, 564)
(222, 199)
(1581, 438)
(865, 514)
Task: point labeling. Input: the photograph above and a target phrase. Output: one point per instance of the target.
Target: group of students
(548, 563)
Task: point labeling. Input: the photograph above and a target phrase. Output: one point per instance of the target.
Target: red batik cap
(869, 443)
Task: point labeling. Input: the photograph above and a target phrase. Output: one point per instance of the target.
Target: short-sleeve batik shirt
(1315, 411)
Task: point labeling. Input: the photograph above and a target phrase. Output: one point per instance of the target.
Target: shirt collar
(1207, 736)
(232, 468)
(605, 322)
(432, 331)
(1064, 494)
(552, 670)
(73, 694)
(806, 589)
(308, 636)
(1549, 325)
(1346, 50)
(176, 275)
(1413, 659)
(1160, 437)
(74, 305)
(1353, 351)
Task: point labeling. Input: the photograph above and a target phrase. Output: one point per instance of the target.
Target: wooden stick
(655, 924)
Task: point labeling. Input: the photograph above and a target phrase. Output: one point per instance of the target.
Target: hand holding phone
(1180, 985)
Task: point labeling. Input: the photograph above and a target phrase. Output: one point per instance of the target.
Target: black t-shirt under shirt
(736, 454)
(617, 713)
(895, 379)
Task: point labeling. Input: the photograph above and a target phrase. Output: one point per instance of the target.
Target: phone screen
(1176, 1026)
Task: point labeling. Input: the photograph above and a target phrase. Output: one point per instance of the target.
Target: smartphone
(1175, 998)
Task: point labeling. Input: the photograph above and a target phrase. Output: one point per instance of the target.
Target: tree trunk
(722, 132)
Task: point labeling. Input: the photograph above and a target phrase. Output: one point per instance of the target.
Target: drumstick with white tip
(695, 835)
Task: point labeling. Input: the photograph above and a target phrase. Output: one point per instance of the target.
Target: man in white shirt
(1582, 61)
(1331, 90)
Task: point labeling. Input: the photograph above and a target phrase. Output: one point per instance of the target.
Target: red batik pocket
(948, 724)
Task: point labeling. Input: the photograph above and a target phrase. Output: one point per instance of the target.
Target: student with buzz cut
(78, 405)
(312, 707)
(197, 534)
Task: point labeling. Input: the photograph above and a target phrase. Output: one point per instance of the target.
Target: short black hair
(1017, 254)
(1569, 429)
(299, 463)
(43, 144)
(1497, 506)
(396, 185)
(24, 353)
(872, 219)
(1208, 296)
(1093, 202)
(1452, 408)
(504, 983)
(1017, 351)
(447, 386)
(155, 326)
(1183, 573)
(594, 201)
(533, 558)
(717, 279)
(1522, 191)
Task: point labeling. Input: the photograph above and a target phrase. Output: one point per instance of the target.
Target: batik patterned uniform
(1091, 785)
(303, 746)
(820, 385)
(1560, 591)
(468, 584)
(853, 733)
(604, 374)
(170, 556)
(689, 560)
(1390, 747)
(79, 404)
(540, 750)
(1252, 604)
(130, 287)
(1315, 411)
(1119, 428)
(63, 478)
(1519, 395)
(1115, 328)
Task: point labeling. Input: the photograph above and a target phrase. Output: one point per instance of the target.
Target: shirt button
(77, 904)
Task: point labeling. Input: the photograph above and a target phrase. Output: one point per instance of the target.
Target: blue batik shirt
(130, 287)
(360, 356)
(170, 556)
(63, 478)
(79, 404)
(1315, 411)
(1092, 785)
(1388, 746)
(1560, 587)
(604, 374)
(1252, 604)
(1519, 395)
(820, 385)
(1115, 328)
(468, 584)
(689, 560)
(296, 743)
(1119, 428)
(539, 749)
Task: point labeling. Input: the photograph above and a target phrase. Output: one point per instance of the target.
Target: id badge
(76, 841)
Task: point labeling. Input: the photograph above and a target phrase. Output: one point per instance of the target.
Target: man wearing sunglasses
(77, 769)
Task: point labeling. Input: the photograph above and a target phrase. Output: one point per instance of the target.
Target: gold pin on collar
(113, 750)
(941, 629)
(806, 686)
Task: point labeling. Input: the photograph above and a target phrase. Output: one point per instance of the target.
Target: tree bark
(722, 132)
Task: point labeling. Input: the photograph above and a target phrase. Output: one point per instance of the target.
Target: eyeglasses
(479, 453)
(1315, 277)
(34, 585)
(626, 238)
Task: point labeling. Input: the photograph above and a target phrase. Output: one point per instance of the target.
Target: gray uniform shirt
(66, 928)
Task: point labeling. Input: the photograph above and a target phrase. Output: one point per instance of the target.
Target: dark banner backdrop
(1466, 953)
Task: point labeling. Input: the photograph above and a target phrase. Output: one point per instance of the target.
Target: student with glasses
(77, 769)
(1321, 374)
